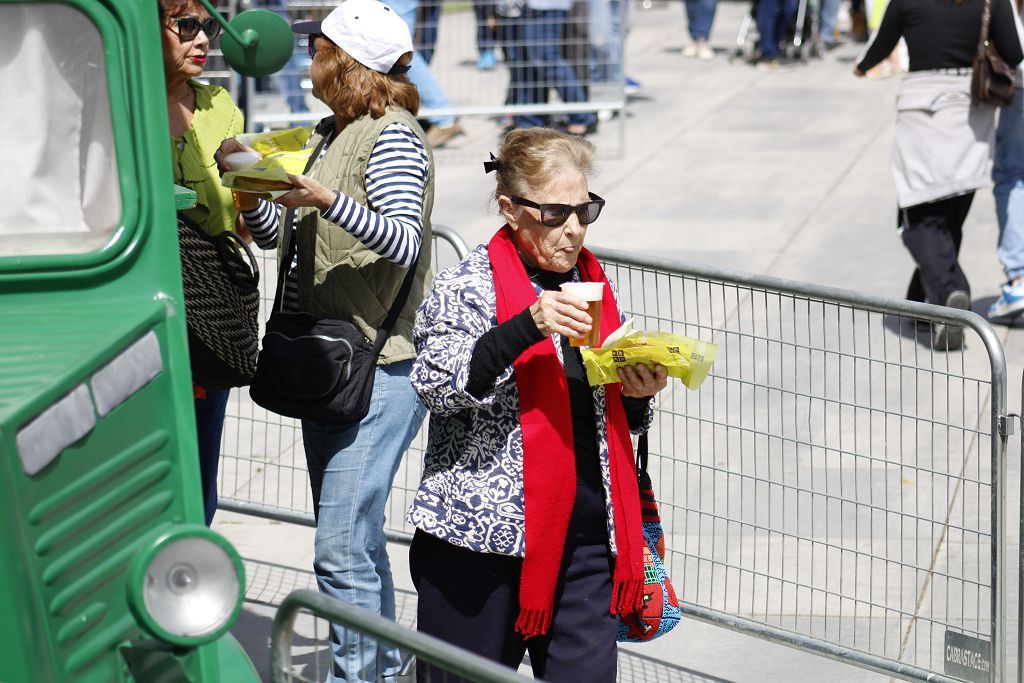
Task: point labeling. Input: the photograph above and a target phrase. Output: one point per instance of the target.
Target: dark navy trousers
(471, 600)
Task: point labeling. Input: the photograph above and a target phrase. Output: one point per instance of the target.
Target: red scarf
(549, 462)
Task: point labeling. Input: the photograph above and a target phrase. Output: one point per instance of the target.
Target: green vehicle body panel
(70, 531)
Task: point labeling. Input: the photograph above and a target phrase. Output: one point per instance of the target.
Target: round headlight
(187, 586)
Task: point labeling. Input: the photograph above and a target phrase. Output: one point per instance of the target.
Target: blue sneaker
(487, 60)
(1010, 303)
(631, 86)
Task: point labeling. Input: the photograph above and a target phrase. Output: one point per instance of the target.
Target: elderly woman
(528, 520)
(361, 220)
(942, 150)
(200, 116)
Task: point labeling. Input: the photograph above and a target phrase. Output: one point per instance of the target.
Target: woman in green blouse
(200, 116)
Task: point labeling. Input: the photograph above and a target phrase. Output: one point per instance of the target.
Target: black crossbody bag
(318, 368)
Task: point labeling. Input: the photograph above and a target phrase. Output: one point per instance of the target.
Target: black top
(942, 34)
(500, 346)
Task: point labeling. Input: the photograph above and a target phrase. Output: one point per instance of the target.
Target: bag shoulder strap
(641, 454)
(326, 128)
(986, 19)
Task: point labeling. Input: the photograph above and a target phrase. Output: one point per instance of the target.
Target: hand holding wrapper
(688, 360)
(282, 154)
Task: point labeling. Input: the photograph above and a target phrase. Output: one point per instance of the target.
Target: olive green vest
(338, 275)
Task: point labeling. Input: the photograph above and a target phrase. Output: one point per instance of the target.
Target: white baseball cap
(369, 30)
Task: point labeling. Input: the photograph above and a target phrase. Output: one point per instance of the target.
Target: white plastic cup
(593, 294)
(239, 161)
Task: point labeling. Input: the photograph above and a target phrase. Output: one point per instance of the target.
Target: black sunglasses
(554, 215)
(189, 27)
(311, 44)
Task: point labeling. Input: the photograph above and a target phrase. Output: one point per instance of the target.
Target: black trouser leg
(932, 233)
(581, 643)
(468, 599)
(471, 600)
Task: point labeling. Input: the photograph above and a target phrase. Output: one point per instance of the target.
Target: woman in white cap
(361, 221)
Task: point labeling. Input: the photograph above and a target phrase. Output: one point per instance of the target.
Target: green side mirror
(255, 43)
(266, 43)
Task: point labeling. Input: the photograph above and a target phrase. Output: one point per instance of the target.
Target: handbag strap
(326, 129)
(986, 19)
(641, 455)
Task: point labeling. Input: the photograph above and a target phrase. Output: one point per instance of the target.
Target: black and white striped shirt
(390, 225)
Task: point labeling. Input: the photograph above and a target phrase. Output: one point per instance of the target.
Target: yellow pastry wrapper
(274, 141)
(688, 360)
(275, 166)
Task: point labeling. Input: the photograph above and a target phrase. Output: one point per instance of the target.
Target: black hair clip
(493, 165)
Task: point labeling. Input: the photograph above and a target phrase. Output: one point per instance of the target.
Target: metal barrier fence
(446, 662)
(835, 485)
(481, 55)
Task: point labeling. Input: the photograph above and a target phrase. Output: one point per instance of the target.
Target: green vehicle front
(106, 569)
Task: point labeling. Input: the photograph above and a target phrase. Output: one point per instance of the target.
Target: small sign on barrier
(967, 657)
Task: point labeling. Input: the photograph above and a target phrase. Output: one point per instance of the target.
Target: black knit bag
(222, 304)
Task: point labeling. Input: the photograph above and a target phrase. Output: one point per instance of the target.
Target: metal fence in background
(481, 56)
(301, 627)
(835, 485)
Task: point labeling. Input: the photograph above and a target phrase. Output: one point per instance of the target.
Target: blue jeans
(774, 19)
(351, 468)
(604, 26)
(486, 36)
(700, 14)
(544, 30)
(209, 428)
(522, 84)
(431, 95)
(430, 16)
(1008, 176)
(829, 15)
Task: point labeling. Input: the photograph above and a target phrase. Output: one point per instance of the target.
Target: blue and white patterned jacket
(471, 494)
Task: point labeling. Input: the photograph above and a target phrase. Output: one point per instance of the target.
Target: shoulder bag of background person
(993, 81)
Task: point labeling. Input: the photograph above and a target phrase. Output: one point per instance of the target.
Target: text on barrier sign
(967, 657)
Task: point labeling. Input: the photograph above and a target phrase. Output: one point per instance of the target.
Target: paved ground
(782, 173)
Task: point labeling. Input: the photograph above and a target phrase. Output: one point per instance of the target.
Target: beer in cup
(239, 161)
(592, 293)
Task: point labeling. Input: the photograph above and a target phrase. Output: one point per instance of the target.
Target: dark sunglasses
(311, 44)
(189, 27)
(554, 215)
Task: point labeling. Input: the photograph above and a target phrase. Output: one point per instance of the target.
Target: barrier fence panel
(307, 614)
(481, 60)
(835, 485)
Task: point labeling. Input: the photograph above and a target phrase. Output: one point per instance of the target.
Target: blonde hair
(351, 89)
(530, 157)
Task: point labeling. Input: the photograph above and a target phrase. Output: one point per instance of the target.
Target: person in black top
(942, 150)
(528, 530)
(942, 34)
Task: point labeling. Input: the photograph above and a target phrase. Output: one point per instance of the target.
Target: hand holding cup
(591, 293)
(240, 159)
(232, 155)
(561, 313)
